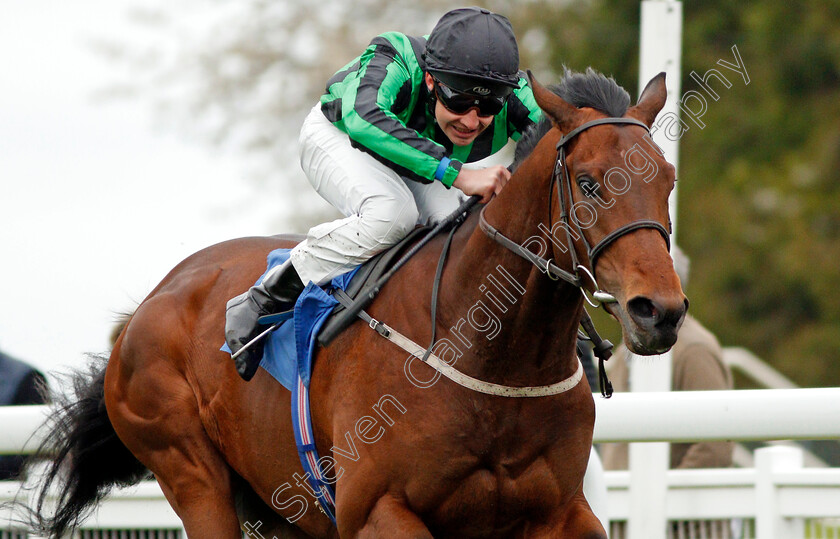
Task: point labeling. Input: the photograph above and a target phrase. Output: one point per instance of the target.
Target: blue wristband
(441, 170)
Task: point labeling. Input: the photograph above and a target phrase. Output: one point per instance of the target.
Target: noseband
(562, 180)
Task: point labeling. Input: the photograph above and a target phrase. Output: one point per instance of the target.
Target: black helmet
(473, 50)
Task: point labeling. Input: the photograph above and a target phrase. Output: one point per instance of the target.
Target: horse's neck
(519, 326)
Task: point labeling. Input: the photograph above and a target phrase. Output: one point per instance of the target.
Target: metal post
(660, 50)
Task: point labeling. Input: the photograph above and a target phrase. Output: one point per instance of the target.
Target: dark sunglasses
(461, 103)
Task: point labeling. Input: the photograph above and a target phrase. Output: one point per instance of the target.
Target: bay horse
(408, 460)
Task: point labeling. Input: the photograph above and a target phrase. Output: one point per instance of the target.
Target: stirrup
(276, 318)
(252, 342)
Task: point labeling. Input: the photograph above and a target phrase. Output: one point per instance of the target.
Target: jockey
(386, 145)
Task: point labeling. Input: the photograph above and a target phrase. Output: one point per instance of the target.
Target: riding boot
(277, 292)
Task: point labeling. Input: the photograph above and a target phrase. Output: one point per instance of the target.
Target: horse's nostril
(674, 317)
(643, 310)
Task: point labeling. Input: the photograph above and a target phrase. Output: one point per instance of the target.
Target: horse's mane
(589, 89)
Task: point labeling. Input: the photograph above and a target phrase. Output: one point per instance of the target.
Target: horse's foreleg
(578, 521)
(391, 518)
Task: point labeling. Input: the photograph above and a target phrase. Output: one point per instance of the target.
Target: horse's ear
(651, 101)
(561, 113)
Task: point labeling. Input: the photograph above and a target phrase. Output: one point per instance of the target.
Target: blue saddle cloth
(288, 355)
(289, 349)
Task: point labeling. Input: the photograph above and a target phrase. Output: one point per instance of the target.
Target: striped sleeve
(384, 80)
(523, 110)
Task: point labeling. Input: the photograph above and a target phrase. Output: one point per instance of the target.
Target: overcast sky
(96, 206)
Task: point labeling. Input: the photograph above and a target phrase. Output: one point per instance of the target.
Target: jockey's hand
(484, 182)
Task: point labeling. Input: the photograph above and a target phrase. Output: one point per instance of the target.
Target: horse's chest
(510, 438)
(501, 497)
(511, 467)
(475, 466)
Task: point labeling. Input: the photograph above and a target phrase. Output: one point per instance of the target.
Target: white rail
(745, 362)
(142, 507)
(744, 415)
(18, 425)
(779, 494)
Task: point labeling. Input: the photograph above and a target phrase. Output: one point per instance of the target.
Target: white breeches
(380, 207)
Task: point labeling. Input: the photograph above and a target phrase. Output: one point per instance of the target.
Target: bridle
(606, 241)
(561, 179)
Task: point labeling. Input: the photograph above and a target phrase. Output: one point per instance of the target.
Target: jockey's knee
(403, 224)
(391, 220)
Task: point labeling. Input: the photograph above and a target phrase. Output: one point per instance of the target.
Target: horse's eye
(588, 185)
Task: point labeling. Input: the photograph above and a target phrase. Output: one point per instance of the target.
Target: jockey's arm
(485, 182)
(375, 107)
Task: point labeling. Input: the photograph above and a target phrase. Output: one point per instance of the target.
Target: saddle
(363, 282)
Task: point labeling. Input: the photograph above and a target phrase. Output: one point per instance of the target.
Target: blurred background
(133, 134)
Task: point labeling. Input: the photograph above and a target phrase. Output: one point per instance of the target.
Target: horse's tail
(86, 457)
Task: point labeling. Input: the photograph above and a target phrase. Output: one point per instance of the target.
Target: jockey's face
(461, 129)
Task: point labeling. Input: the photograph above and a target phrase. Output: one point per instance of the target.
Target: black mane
(589, 89)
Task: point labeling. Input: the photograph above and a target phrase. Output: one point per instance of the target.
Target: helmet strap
(431, 99)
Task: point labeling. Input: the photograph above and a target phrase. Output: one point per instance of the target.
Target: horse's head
(615, 190)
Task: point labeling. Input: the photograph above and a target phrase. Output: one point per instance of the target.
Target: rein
(561, 179)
